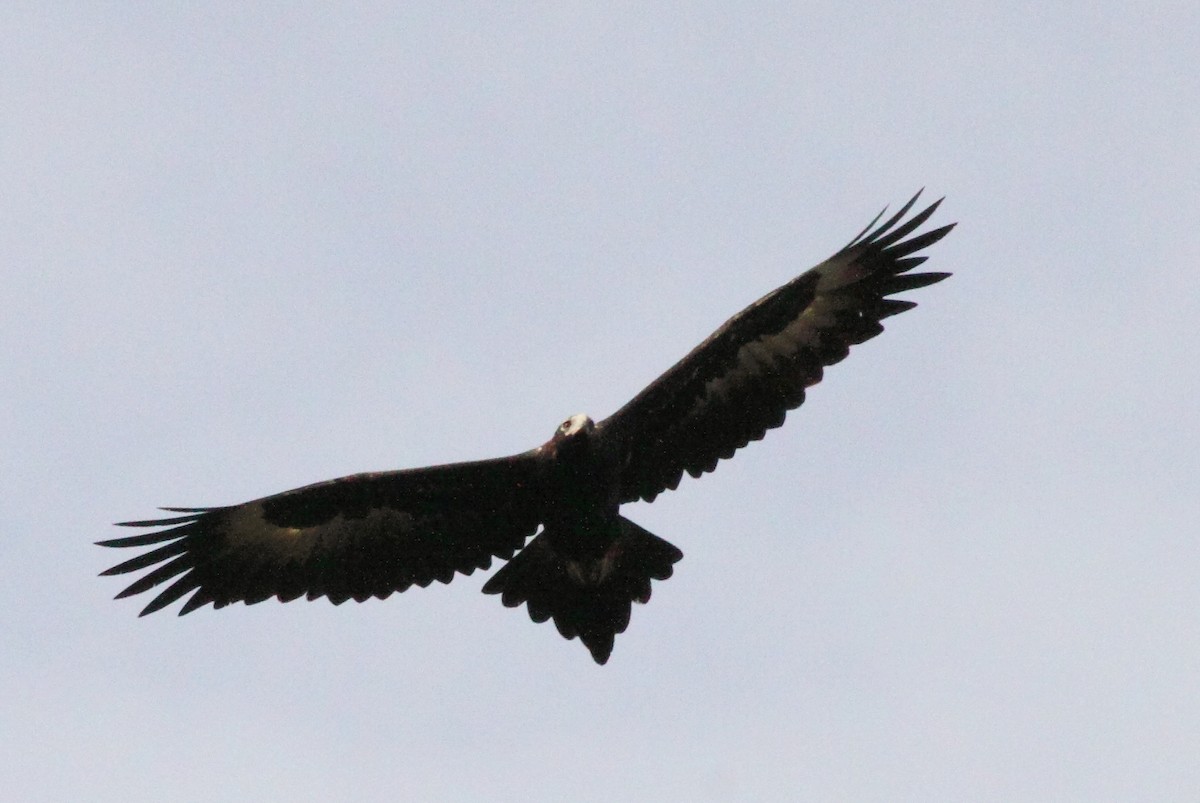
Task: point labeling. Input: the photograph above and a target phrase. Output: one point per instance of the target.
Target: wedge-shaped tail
(589, 599)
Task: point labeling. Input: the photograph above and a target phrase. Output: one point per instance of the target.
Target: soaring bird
(369, 535)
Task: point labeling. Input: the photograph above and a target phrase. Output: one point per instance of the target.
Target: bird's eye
(565, 425)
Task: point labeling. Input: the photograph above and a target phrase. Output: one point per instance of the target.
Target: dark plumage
(374, 534)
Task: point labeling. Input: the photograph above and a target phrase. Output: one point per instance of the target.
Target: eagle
(374, 534)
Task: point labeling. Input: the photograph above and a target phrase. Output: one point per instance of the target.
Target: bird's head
(571, 437)
(577, 427)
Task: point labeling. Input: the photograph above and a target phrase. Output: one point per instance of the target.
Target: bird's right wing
(350, 538)
(743, 379)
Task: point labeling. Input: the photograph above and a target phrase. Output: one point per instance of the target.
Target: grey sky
(246, 250)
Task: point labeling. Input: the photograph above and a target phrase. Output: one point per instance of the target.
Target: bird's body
(375, 534)
(581, 490)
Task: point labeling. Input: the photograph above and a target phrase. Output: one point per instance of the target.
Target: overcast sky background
(245, 250)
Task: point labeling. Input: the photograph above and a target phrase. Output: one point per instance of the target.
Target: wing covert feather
(742, 380)
(362, 536)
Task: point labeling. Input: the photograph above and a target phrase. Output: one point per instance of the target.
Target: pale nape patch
(576, 423)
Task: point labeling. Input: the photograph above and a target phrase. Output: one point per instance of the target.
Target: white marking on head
(574, 424)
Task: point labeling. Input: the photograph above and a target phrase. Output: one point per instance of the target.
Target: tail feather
(590, 600)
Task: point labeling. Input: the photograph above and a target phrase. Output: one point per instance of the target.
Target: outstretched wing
(743, 379)
(355, 537)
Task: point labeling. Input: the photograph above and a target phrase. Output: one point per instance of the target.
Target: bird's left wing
(743, 379)
(350, 538)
